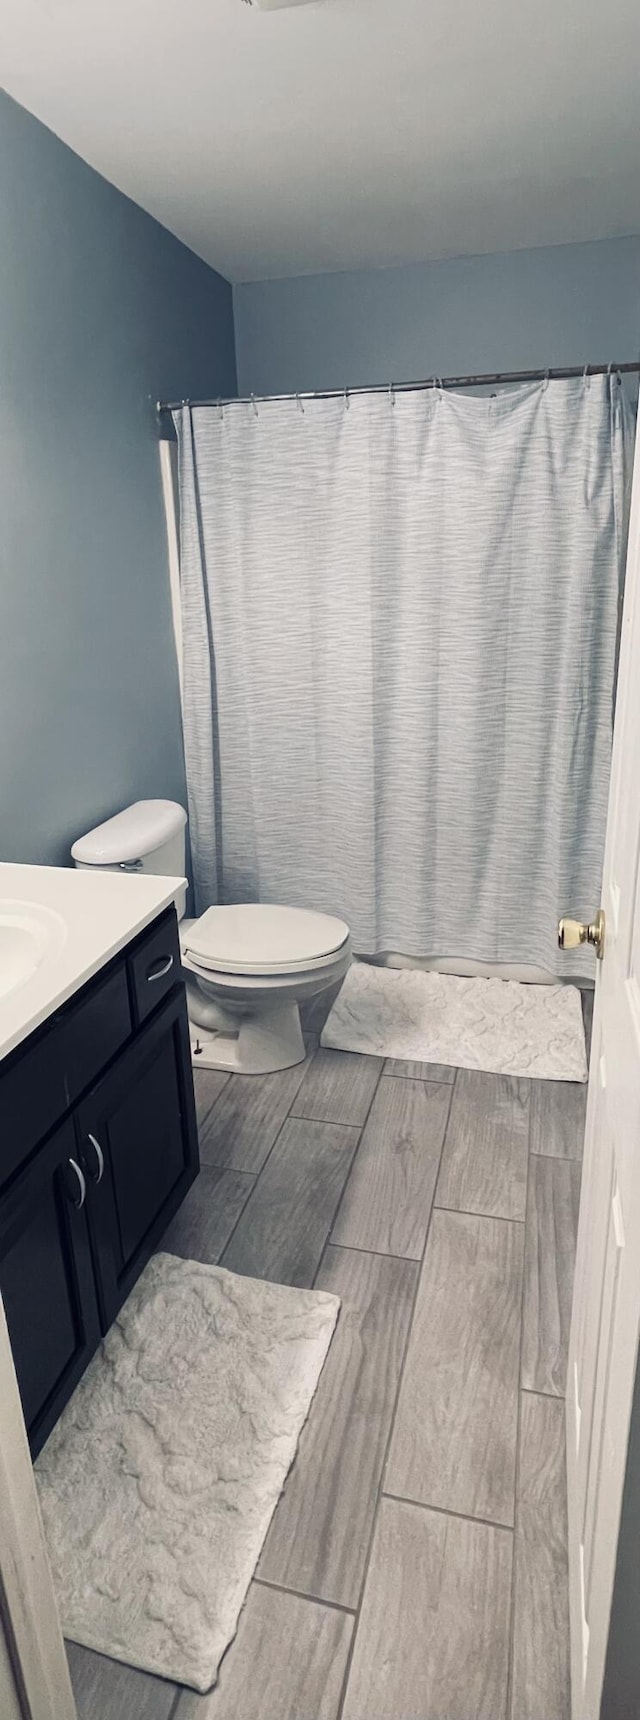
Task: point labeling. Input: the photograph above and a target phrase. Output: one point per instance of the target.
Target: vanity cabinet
(98, 1148)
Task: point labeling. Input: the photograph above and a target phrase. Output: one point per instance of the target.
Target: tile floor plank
(285, 1224)
(387, 1202)
(203, 1224)
(552, 1223)
(287, 1662)
(484, 1163)
(338, 1087)
(454, 1438)
(413, 1071)
(207, 1086)
(432, 1640)
(243, 1124)
(541, 1672)
(104, 1689)
(320, 1533)
(558, 1111)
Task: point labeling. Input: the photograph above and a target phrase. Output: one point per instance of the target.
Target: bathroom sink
(30, 934)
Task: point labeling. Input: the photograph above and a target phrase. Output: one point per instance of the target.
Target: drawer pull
(98, 1174)
(82, 1187)
(159, 968)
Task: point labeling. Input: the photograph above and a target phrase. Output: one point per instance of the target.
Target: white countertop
(98, 913)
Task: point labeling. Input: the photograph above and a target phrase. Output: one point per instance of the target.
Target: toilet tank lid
(130, 834)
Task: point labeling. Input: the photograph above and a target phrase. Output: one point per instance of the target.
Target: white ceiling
(345, 133)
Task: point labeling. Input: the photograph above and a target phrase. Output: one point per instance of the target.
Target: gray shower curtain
(399, 632)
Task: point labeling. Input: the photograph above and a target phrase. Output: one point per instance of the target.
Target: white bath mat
(493, 1024)
(159, 1482)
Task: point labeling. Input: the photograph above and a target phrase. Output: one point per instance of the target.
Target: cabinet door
(47, 1281)
(138, 1148)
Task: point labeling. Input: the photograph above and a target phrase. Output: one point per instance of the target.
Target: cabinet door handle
(99, 1173)
(158, 972)
(82, 1187)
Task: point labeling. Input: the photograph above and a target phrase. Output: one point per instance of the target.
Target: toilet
(248, 965)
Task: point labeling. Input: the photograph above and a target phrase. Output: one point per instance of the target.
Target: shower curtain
(399, 633)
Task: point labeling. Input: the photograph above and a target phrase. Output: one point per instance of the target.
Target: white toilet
(248, 965)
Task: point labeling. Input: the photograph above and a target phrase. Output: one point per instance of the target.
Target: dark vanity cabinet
(98, 1148)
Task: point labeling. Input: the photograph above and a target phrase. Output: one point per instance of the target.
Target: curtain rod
(557, 375)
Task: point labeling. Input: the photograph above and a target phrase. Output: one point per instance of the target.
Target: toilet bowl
(248, 966)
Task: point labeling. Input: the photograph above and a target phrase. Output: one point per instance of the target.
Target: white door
(606, 1307)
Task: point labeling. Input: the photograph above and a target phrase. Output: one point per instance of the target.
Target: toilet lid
(260, 938)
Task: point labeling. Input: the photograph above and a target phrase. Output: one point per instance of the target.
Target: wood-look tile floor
(416, 1565)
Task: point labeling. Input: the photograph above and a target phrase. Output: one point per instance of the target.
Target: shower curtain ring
(586, 377)
(299, 404)
(220, 410)
(545, 384)
(392, 394)
(254, 404)
(346, 399)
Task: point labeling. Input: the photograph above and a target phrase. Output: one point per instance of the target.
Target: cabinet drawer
(155, 966)
(32, 1097)
(95, 1029)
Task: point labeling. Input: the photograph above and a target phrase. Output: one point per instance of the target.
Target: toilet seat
(262, 939)
(248, 969)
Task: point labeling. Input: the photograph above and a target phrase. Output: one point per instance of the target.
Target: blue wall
(101, 313)
(564, 304)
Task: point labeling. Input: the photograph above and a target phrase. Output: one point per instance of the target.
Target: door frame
(31, 1643)
(602, 1370)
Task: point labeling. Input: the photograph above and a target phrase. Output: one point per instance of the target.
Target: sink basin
(30, 934)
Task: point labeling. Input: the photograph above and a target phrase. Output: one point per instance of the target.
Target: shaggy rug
(495, 1024)
(158, 1484)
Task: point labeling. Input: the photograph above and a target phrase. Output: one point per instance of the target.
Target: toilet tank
(146, 837)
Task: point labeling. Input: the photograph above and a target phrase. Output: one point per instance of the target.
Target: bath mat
(495, 1024)
(158, 1483)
